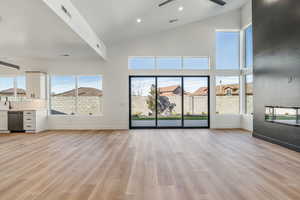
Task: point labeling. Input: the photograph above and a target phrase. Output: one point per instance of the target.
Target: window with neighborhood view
(72, 95)
(227, 50)
(13, 87)
(169, 101)
(227, 95)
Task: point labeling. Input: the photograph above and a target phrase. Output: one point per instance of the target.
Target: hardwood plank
(146, 165)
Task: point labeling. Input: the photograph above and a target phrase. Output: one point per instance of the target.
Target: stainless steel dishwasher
(15, 121)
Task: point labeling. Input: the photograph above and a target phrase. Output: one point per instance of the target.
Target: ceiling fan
(9, 65)
(219, 2)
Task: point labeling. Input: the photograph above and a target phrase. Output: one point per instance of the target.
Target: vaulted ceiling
(30, 30)
(115, 20)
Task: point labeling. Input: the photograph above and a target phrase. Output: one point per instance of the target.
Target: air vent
(171, 21)
(65, 10)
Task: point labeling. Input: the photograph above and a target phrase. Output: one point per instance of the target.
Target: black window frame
(182, 101)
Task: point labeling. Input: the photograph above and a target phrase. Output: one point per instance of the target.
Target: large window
(249, 47)
(227, 95)
(169, 63)
(249, 94)
(228, 50)
(72, 95)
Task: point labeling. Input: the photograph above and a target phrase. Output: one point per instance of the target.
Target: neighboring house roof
(170, 90)
(249, 89)
(10, 91)
(82, 91)
(221, 90)
(203, 91)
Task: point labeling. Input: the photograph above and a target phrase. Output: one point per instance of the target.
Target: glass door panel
(169, 102)
(143, 104)
(196, 106)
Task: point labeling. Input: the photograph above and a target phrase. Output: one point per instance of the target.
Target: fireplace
(283, 115)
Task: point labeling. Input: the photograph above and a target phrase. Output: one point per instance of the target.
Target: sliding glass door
(196, 98)
(169, 101)
(143, 101)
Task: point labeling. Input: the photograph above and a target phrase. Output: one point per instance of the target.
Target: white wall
(246, 14)
(197, 39)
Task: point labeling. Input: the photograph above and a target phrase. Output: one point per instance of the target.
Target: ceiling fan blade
(10, 65)
(220, 2)
(165, 2)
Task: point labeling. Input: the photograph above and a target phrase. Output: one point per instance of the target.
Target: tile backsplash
(35, 104)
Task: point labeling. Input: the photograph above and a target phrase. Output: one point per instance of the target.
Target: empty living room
(150, 100)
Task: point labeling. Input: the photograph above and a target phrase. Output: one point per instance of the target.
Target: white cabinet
(3, 121)
(35, 85)
(35, 121)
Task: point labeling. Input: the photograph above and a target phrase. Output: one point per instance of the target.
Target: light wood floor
(146, 165)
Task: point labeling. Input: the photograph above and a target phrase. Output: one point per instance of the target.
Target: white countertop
(22, 110)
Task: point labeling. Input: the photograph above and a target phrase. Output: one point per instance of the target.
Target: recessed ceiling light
(138, 20)
(180, 8)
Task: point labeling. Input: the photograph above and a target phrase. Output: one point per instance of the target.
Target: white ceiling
(31, 31)
(115, 20)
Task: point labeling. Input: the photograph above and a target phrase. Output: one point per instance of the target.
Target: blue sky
(142, 85)
(8, 82)
(61, 84)
(174, 63)
(227, 50)
(249, 78)
(249, 46)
